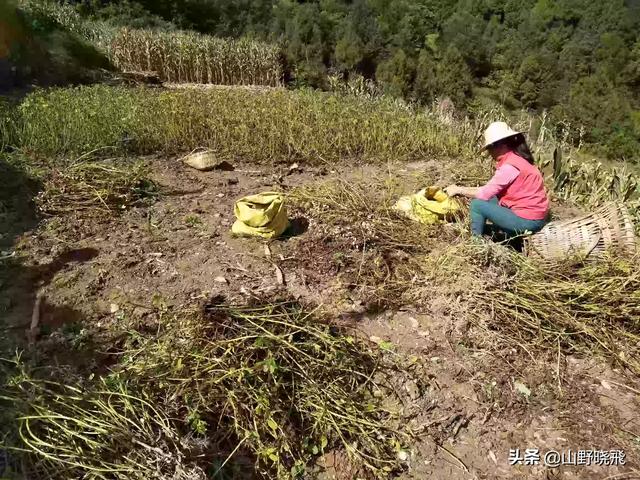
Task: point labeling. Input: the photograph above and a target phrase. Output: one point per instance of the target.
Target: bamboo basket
(590, 236)
(206, 160)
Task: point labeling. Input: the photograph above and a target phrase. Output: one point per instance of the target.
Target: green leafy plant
(274, 383)
(193, 221)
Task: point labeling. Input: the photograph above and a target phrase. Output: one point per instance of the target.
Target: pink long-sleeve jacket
(518, 186)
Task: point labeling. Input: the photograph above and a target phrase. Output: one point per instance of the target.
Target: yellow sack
(430, 205)
(262, 215)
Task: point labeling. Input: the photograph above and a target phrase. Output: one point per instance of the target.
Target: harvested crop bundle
(95, 187)
(273, 384)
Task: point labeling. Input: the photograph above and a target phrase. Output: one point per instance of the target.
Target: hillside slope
(35, 48)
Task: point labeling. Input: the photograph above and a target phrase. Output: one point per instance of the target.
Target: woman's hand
(455, 191)
(452, 190)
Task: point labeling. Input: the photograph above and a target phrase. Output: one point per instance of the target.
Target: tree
(305, 41)
(427, 86)
(632, 69)
(413, 28)
(446, 75)
(396, 74)
(465, 32)
(537, 81)
(612, 56)
(350, 50)
(605, 112)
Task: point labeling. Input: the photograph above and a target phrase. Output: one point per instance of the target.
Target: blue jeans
(502, 218)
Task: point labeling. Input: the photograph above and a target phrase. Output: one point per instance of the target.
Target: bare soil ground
(180, 251)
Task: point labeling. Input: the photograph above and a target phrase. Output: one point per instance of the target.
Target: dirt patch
(476, 413)
(179, 252)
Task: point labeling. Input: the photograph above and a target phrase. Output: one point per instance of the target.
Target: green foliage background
(577, 59)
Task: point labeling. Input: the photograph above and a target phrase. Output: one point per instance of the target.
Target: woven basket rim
(198, 152)
(611, 225)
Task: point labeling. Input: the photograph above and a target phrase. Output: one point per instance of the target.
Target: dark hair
(518, 145)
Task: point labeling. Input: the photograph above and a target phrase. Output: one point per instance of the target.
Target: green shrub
(442, 75)
(603, 113)
(264, 126)
(47, 16)
(396, 74)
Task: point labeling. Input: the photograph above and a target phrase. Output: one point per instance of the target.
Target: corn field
(589, 183)
(180, 57)
(187, 57)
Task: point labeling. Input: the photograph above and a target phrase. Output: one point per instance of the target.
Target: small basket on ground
(206, 160)
(590, 236)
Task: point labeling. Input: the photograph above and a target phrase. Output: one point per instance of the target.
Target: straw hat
(498, 131)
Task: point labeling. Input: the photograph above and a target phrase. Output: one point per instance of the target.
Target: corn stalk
(189, 57)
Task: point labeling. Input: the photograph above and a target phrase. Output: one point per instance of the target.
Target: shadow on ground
(17, 216)
(57, 340)
(297, 226)
(20, 279)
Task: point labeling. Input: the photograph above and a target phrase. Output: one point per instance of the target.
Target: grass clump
(95, 187)
(99, 432)
(383, 251)
(593, 308)
(580, 309)
(7, 124)
(267, 126)
(189, 57)
(281, 384)
(272, 385)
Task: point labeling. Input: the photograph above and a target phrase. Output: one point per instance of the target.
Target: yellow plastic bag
(429, 206)
(262, 215)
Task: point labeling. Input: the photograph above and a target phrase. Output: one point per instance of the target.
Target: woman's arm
(469, 192)
(503, 177)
